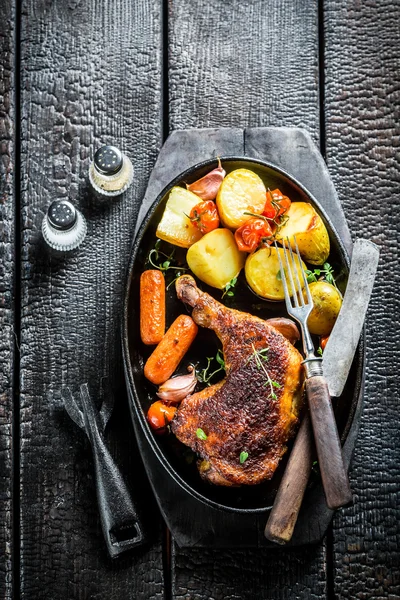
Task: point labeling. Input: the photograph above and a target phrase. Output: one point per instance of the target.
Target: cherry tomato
(249, 236)
(159, 415)
(323, 341)
(276, 205)
(205, 216)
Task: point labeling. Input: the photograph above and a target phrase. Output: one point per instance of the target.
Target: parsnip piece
(175, 227)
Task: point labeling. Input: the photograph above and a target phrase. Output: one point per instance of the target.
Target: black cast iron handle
(120, 521)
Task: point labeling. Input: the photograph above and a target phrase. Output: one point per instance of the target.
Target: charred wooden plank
(7, 287)
(90, 74)
(362, 93)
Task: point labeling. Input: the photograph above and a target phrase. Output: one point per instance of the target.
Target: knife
(337, 360)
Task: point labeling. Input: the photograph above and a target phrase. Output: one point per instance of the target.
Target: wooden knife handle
(285, 511)
(327, 442)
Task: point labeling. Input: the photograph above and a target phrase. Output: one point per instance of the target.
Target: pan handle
(120, 522)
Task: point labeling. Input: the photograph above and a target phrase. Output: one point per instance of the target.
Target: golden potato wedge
(262, 272)
(215, 259)
(241, 191)
(311, 234)
(175, 227)
(327, 304)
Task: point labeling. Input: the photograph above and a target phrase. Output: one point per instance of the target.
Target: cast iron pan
(176, 458)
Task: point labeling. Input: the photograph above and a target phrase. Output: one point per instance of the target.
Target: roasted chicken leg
(249, 416)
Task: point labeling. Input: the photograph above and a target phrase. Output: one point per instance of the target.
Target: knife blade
(343, 340)
(337, 359)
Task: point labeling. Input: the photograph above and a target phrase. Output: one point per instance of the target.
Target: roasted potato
(311, 234)
(327, 304)
(263, 273)
(241, 191)
(175, 227)
(215, 259)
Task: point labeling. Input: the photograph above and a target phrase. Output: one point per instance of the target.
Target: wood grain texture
(327, 444)
(244, 65)
(7, 275)
(249, 575)
(91, 73)
(362, 126)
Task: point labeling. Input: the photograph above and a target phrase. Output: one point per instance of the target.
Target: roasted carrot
(152, 307)
(166, 357)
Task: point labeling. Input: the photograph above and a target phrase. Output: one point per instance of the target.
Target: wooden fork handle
(327, 443)
(284, 513)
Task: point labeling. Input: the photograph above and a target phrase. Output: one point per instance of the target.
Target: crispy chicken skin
(240, 413)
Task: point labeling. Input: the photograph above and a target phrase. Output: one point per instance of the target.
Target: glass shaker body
(111, 172)
(63, 227)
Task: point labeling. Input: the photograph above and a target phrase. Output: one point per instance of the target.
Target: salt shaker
(111, 172)
(63, 227)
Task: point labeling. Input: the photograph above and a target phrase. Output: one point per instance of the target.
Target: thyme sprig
(164, 265)
(205, 376)
(229, 288)
(178, 274)
(261, 357)
(279, 222)
(326, 273)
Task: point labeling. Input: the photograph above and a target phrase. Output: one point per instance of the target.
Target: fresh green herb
(204, 376)
(243, 457)
(279, 275)
(229, 287)
(319, 351)
(200, 434)
(156, 255)
(261, 357)
(178, 274)
(262, 217)
(326, 273)
(220, 359)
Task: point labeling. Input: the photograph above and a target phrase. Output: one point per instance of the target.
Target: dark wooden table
(75, 73)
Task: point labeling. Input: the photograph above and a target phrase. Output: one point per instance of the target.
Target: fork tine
(306, 287)
(284, 282)
(296, 272)
(289, 268)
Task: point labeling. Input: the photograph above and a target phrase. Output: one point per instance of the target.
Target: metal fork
(327, 442)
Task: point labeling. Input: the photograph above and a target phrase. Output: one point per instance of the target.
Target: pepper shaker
(63, 227)
(111, 172)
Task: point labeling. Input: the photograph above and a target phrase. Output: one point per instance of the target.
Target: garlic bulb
(207, 187)
(177, 388)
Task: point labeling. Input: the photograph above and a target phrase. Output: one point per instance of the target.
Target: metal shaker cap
(108, 160)
(61, 215)
(63, 226)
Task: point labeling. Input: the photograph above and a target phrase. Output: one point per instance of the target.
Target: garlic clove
(207, 187)
(286, 327)
(177, 388)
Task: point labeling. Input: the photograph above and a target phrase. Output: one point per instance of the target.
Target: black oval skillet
(175, 458)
